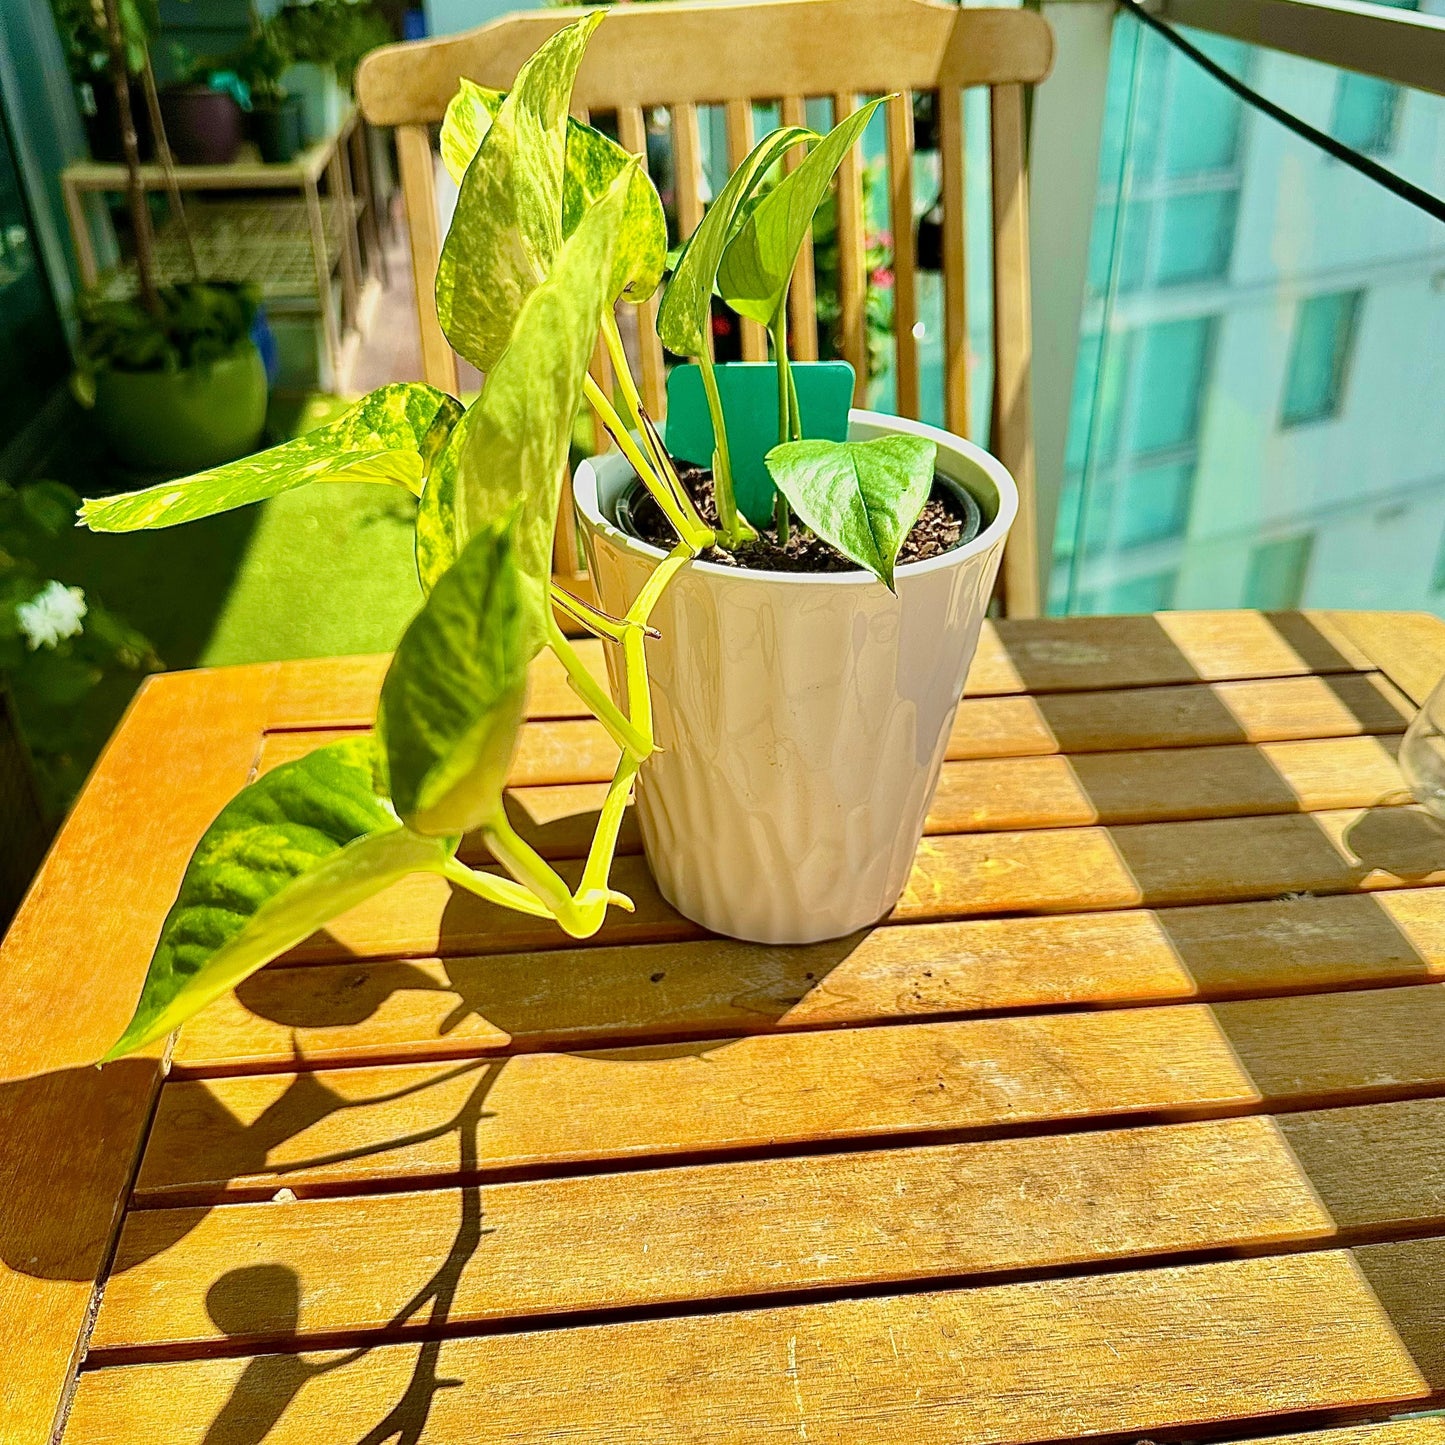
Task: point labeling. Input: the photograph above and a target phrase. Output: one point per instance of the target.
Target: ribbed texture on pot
(802, 727)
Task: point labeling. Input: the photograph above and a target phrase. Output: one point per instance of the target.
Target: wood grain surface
(1039, 1361)
(1167, 984)
(571, 997)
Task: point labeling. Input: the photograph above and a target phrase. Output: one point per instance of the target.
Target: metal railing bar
(1403, 46)
(1386, 179)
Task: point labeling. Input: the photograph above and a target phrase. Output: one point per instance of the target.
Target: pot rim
(585, 496)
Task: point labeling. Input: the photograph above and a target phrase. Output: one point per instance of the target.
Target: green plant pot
(279, 130)
(185, 421)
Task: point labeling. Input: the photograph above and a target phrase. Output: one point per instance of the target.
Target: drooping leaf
(392, 435)
(759, 260)
(456, 690)
(507, 229)
(863, 497)
(593, 161)
(685, 316)
(285, 855)
(514, 445)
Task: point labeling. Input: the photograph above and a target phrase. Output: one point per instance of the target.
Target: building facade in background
(1259, 404)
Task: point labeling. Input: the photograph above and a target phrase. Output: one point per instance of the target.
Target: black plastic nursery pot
(278, 130)
(184, 421)
(202, 125)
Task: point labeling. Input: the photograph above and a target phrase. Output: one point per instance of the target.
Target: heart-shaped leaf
(285, 855)
(392, 435)
(456, 690)
(685, 316)
(863, 497)
(593, 161)
(507, 229)
(758, 262)
(513, 448)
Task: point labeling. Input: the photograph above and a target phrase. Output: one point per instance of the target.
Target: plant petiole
(735, 528)
(599, 623)
(779, 332)
(627, 735)
(502, 891)
(580, 914)
(692, 528)
(644, 425)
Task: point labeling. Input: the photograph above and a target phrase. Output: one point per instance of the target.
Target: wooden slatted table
(1128, 1121)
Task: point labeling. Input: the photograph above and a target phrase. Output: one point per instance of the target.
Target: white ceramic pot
(802, 719)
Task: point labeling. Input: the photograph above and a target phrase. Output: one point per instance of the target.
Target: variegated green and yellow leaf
(507, 228)
(593, 162)
(393, 435)
(284, 856)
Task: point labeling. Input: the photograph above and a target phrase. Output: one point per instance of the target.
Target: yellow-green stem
(735, 528)
(779, 332)
(643, 424)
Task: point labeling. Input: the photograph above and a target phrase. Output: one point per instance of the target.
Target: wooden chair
(683, 55)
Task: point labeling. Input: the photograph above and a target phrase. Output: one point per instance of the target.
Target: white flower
(52, 615)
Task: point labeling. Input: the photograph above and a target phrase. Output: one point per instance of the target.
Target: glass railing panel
(1257, 414)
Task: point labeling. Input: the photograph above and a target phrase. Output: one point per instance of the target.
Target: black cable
(1431, 204)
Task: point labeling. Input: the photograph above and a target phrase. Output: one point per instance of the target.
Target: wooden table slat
(1042, 1361)
(346, 1129)
(573, 997)
(625, 1241)
(572, 750)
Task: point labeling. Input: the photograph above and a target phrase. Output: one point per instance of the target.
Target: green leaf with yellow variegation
(513, 447)
(456, 690)
(507, 227)
(758, 262)
(593, 162)
(685, 317)
(393, 435)
(285, 856)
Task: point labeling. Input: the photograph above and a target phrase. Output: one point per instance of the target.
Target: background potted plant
(554, 225)
(278, 120)
(202, 113)
(175, 379)
(326, 40)
(173, 373)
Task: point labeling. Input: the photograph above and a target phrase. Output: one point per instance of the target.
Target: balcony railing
(1257, 394)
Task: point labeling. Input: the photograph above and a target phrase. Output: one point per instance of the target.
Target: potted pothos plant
(555, 224)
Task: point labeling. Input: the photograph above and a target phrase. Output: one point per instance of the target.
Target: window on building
(1367, 113)
(1153, 504)
(1276, 576)
(1152, 593)
(1319, 355)
(1170, 363)
(1196, 237)
(1367, 110)
(1205, 120)
(1437, 577)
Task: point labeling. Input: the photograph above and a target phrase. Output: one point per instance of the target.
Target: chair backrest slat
(1012, 433)
(852, 284)
(674, 58)
(905, 287)
(687, 168)
(632, 135)
(802, 295)
(738, 114)
(419, 196)
(955, 291)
